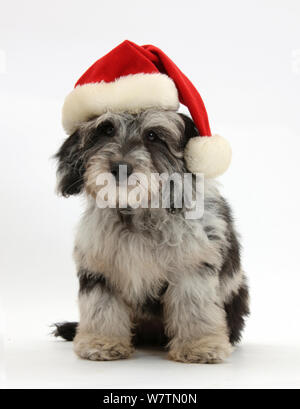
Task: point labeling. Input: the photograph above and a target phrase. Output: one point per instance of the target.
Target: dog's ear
(190, 130)
(70, 170)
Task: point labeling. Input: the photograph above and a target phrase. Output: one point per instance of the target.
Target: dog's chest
(138, 261)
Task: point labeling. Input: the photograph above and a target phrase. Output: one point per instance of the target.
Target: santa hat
(133, 78)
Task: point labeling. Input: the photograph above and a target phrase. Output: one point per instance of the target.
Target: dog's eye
(151, 136)
(106, 129)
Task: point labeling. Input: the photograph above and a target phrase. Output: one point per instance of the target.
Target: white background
(244, 58)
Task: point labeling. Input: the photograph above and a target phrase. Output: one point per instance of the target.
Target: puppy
(150, 275)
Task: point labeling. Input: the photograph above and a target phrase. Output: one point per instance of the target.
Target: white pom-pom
(210, 155)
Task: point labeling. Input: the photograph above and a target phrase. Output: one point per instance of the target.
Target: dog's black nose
(121, 170)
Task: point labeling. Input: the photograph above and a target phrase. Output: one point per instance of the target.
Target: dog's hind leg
(104, 331)
(149, 332)
(237, 309)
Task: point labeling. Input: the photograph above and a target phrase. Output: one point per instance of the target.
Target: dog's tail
(65, 330)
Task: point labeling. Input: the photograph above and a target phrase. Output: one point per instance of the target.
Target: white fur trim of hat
(209, 155)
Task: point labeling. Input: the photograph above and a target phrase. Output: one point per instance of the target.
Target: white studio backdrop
(244, 58)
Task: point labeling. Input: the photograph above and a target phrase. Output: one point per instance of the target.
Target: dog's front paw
(211, 349)
(97, 348)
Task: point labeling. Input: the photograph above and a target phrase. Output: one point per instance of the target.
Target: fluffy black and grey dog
(150, 275)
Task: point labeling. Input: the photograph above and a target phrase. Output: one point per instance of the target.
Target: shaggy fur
(150, 274)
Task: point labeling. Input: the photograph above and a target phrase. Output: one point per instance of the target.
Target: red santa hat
(133, 78)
